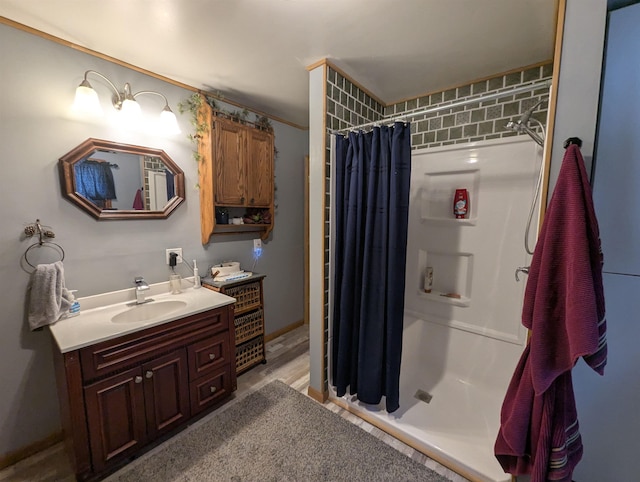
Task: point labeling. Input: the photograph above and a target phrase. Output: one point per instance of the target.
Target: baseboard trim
(32, 449)
(317, 395)
(282, 331)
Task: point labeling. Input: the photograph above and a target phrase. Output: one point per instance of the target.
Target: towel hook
(572, 140)
(521, 269)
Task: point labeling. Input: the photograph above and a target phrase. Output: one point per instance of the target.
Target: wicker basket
(249, 325)
(249, 354)
(247, 296)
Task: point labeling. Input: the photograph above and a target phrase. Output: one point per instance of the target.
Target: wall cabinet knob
(212, 389)
(149, 374)
(251, 200)
(212, 356)
(138, 379)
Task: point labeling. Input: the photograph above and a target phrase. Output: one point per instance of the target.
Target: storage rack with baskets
(248, 318)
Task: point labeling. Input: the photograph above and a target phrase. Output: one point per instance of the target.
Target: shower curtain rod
(481, 98)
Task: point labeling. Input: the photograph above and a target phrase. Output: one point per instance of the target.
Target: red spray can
(461, 204)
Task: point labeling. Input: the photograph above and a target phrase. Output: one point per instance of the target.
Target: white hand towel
(49, 298)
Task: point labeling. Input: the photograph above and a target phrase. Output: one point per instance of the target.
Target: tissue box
(226, 268)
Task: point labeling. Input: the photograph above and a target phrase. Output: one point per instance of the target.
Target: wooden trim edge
(282, 331)
(122, 63)
(480, 79)
(31, 449)
(397, 434)
(327, 63)
(553, 102)
(324, 382)
(316, 395)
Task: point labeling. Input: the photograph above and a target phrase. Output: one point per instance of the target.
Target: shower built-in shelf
(451, 277)
(443, 298)
(437, 196)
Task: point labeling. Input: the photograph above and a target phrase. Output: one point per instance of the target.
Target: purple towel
(138, 204)
(564, 309)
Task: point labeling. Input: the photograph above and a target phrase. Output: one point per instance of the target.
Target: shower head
(522, 124)
(524, 118)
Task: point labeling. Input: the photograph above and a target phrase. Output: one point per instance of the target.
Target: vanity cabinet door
(166, 393)
(116, 417)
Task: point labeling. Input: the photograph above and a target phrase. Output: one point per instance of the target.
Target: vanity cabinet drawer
(207, 355)
(208, 390)
(123, 352)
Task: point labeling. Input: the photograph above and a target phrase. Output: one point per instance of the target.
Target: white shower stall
(463, 339)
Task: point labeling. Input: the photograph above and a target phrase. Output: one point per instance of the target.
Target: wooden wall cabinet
(120, 395)
(236, 171)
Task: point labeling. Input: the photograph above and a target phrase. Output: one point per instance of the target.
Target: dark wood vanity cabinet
(120, 395)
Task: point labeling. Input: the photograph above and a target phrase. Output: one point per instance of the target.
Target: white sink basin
(148, 311)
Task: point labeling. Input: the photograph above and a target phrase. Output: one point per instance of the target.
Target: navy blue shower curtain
(373, 173)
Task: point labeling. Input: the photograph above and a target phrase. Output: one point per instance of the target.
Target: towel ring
(57, 246)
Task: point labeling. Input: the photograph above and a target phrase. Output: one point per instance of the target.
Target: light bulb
(86, 101)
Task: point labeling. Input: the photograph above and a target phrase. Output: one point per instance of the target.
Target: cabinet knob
(149, 374)
(212, 389)
(212, 356)
(242, 199)
(251, 201)
(138, 379)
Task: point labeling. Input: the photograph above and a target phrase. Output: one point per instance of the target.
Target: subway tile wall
(477, 121)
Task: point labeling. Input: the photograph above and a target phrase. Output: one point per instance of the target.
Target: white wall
(38, 79)
(579, 80)
(608, 407)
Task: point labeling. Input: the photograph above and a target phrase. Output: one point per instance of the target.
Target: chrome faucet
(141, 287)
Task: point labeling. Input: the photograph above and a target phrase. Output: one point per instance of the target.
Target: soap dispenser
(74, 310)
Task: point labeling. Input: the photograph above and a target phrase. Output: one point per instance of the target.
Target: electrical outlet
(257, 248)
(178, 251)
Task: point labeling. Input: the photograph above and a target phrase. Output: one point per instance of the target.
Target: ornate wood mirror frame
(69, 179)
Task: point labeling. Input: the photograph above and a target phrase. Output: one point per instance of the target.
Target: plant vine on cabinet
(235, 172)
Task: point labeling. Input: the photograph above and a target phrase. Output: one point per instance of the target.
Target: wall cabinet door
(116, 417)
(230, 165)
(166, 393)
(259, 168)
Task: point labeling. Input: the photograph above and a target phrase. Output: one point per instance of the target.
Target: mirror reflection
(117, 180)
(120, 181)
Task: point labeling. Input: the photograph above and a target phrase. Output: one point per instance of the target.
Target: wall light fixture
(86, 102)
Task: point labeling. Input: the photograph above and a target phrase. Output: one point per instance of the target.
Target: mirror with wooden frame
(110, 180)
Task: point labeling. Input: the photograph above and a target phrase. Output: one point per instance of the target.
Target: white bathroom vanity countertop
(94, 323)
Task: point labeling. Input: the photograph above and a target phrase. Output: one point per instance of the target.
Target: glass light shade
(86, 101)
(168, 122)
(130, 113)
(130, 109)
